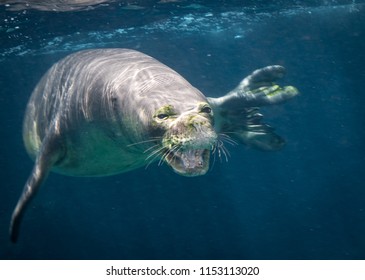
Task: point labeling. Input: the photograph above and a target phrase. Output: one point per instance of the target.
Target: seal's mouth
(190, 163)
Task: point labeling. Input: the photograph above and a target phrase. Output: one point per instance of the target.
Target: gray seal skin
(107, 111)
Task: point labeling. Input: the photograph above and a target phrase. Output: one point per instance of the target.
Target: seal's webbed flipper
(48, 155)
(258, 135)
(261, 138)
(262, 77)
(257, 89)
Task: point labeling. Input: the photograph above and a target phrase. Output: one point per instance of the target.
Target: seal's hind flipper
(47, 157)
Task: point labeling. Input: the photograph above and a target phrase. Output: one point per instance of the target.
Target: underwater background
(306, 201)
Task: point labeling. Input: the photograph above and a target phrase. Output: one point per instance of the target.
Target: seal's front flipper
(262, 77)
(270, 95)
(49, 154)
(264, 138)
(258, 135)
(257, 89)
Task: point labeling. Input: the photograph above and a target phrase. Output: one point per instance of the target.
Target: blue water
(306, 201)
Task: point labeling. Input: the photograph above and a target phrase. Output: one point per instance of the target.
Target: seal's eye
(206, 110)
(162, 116)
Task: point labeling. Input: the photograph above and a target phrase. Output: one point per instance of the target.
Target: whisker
(153, 139)
(151, 148)
(221, 150)
(228, 133)
(166, 153)
(225, 152)
(216, 149)
(214, 156)
(220, 144)
(227, 139)
(163, 156)
(153, 155)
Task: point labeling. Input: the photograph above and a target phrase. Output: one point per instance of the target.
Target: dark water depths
(304, 202)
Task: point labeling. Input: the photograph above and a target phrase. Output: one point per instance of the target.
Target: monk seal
(106, 111)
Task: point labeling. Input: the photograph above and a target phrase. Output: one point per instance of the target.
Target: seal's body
(99, 103)
(107, 111)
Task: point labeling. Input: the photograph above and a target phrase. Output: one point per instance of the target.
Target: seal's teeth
(192, 162)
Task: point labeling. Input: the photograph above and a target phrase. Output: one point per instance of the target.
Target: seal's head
(188, 137)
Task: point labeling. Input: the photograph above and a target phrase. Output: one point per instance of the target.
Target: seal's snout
(189, 142)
